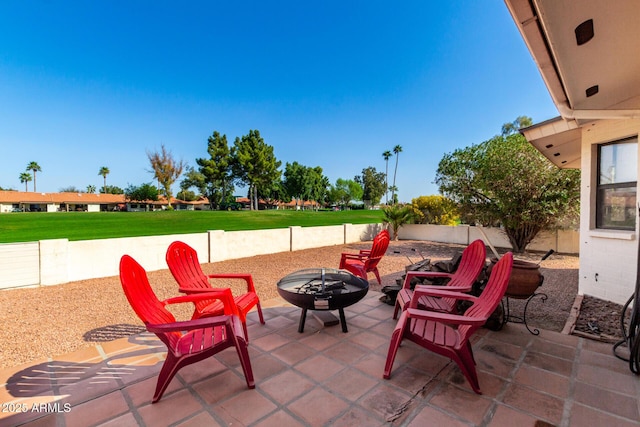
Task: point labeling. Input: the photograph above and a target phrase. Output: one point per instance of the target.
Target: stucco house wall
(608, 258)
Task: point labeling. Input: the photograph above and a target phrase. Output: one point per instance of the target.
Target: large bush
(435, 209)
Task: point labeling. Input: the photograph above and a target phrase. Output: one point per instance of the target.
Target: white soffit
(590, 74)
(558, 140)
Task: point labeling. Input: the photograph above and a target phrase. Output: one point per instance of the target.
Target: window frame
(601, 188)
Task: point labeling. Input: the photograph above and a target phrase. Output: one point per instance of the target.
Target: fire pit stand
(322, 289)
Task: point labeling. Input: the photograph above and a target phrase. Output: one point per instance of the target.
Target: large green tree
(255, 165)
(166, 170)
(143, 193)
(346, 190)
(372, 183)
(304, 183)
(34, 167)
(319, 186)
(216, 178)
(505, 181)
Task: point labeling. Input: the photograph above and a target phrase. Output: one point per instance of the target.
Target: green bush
(435, 210)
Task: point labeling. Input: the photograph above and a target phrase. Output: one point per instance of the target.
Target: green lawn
(31, 226)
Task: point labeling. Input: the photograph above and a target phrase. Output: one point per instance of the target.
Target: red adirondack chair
(366, 260)
(471, 264)
(187, 341)
(183, 263)
(448, 334)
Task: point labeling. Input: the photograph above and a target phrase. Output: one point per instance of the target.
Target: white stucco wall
(101, 258)
(240, 244)
(608, 258)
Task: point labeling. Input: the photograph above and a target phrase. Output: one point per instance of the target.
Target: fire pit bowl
(322, 289)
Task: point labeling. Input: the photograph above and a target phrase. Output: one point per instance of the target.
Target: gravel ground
(48, 321)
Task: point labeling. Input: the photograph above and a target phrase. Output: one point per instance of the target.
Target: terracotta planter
(525, 279)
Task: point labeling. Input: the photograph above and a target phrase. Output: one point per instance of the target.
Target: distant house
(24, 201)
(587, 54)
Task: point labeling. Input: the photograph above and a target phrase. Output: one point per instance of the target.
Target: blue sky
(327, 83)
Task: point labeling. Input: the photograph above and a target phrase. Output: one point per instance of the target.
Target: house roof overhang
(585, 51)
(559, 140)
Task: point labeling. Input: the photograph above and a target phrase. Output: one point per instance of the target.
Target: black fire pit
(322, 289)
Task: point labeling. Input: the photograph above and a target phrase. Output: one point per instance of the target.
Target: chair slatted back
(143, 300)
(183, 262)
(490, 297)
(378, 249)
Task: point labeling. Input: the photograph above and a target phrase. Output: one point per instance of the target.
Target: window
(617, 177)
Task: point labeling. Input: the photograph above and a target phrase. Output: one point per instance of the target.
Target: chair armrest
(441, 292)
(188, 325)
(354, 256)
(426, 274)
(193, 291)
(223, 296)
(451, 319)
(450, 287)
(246, 277)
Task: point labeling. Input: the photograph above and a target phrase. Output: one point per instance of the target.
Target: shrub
(435, 209)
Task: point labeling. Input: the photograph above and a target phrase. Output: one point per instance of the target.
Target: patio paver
(325, 377)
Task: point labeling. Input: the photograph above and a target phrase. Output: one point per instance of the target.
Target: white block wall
(19, 264)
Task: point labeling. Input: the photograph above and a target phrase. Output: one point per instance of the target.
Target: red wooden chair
(183, 263)
(471, 264)
(187, 341)
(366, 260)
(448, 334)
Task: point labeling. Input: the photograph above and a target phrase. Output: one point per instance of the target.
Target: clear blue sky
(86, 84)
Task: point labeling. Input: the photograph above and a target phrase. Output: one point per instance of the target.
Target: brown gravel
(48, 321)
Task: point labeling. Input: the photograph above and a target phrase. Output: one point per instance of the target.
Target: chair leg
(375, 271)
(396, 340)
(243, 355)
(464, 359)
(169, 369)
(244, 328)
(396, 309)
(259, 308)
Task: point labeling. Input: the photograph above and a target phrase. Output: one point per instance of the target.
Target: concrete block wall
(19, 264)
(51, 262)
(225, 245)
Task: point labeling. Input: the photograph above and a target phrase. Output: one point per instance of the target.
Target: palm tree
(104, 171)
(35, 167)
(25, 177)
(386, 155)
(91, 189)
(396, 216)
(397, 149)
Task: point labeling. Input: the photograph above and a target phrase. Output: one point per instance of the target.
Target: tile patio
(325, 377)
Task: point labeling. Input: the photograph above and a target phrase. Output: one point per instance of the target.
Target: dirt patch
(599, 319)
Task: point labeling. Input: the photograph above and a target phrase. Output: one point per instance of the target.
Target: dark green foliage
(373, 184)
(215, 176)
(506, 181)
(111, 189)
(397, 216)
(143, 193)
(255, 164)
(305, 183)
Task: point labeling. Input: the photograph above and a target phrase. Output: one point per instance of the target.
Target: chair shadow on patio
(112, 332)
(52, 377)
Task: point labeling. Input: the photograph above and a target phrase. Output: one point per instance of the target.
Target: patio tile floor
(325, 377)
